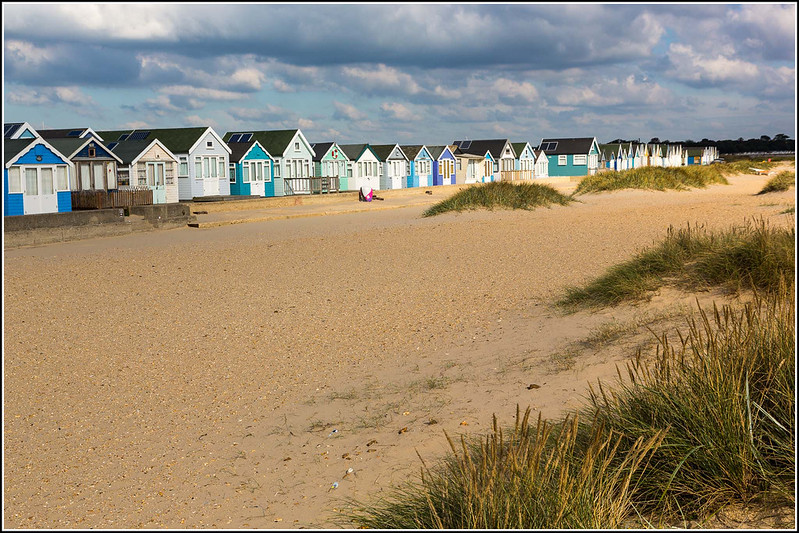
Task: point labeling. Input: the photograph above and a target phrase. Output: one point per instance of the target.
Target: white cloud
(28, 53)
(348, 112)
(382, 79)
(691, 66)
(525, 91)
(398, 111)
(250, 78)
(72, 96)
(201, 92)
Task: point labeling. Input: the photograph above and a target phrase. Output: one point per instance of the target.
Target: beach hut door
(156, 181)
(39, 194)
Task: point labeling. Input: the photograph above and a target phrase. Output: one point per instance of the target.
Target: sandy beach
(229, 377)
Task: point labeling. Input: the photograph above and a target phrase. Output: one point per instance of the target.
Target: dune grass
(710, 423)
(532, 476)
(745, 165)
(754, 255)
(499, 195)
(781, 182)
(652, 178)
(726, 393)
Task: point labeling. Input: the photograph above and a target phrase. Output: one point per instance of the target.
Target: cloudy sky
(407, 73)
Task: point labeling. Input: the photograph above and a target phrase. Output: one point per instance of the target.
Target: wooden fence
(320, 185)
(515, 175)
(102, 199)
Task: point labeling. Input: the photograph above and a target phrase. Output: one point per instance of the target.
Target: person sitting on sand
(365, 194)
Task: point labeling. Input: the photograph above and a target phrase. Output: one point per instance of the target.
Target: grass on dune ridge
(500, 195)
(780, 182)
(709, 423)
(656, 178)
(753, 255)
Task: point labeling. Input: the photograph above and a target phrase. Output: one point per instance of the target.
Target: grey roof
(354, 151)
(127, 151)
(274, 142)
(320, 149)
(570, 145)
(177, 140)
(480, 147)
(411, 150)
(12, 147)
(383, 151)
(239, 150)
(436, 150)
(61, 133)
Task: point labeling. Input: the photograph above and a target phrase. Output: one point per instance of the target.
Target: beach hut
(364, 167)
(36, 178)
(525, 161)
(147, 165)
(393, 166)
(95, 164)
(420, 167)
(541, 164)
(203, 157)
(251, 168)
(502, 154)
(330, 161)
(443, 164)
(292, 155)
(573, 156)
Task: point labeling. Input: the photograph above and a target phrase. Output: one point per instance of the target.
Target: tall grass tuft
(781, 182)
(754, 255)
(726, 393)
(500, 195)
(710, 422)
(657, 178)
(534, 476)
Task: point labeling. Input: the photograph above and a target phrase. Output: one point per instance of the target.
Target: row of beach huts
(59, 170)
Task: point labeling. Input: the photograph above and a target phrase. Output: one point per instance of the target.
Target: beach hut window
(98, 175)
(61, 178)
(307, 169)
(85, 172)
(297, 146)
(349, 170)
(579, 159)
(14, 181)
(561, 160)
(198, 167)
(277, 169)
(124, 178)
(245, 173)
(267, 171)
(232, 173)
(47, 181)
(31, 182)
(184, 167)
(221, 167)
(209, 144)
